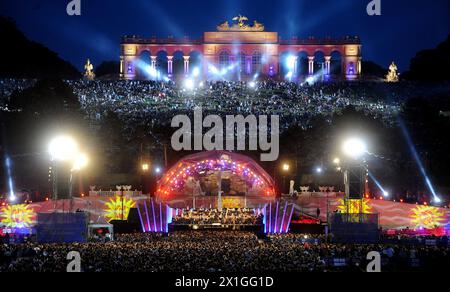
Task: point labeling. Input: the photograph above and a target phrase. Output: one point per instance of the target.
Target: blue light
(385, 193)
(12, 196)
(418, 161)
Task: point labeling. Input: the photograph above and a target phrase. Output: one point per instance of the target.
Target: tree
(108, 69)
(28, 59)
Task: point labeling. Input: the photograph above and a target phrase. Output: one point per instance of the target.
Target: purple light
(140, 218)
(148, 217)
(290, 218)
(276, 217)
(154, 217)
(270, 217)
(284, 215)
(265, 218)
(160, 217)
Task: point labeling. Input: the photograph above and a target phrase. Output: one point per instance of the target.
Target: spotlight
(354, 148)
(145, 166)
(189, 84)
(336, 161)
(62, 148)
(80, 161)
(319, 169)
(252, 84)
(310, 80)
(12, 197)
(158, 170)
(286, 167)
(385, 194)
(436, 199)
(196, 72)
(290, 62)
(289, 75)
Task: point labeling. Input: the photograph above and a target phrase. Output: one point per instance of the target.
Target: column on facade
(186, 65)
(359, 66)
(328, 65)
(121, 67)
(153, 62)
(170, 66)
(295, 60)
(311, 65)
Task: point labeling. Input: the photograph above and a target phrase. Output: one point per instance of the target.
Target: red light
(401, 200)
(82, 195)
(46, 199)
(381, 198)
(425, 203)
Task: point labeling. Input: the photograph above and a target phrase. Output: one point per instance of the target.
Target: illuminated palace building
(240, 51)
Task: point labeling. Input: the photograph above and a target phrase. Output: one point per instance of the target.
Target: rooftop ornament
(240, 25)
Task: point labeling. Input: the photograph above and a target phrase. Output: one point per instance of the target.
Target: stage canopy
(202, 176)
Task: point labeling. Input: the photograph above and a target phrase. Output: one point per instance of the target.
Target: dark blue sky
(405, 27)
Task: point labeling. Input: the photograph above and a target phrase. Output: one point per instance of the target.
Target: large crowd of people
(215, 216)
(219, 251)
(151, 103)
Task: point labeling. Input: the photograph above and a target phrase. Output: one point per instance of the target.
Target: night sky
(405, 27)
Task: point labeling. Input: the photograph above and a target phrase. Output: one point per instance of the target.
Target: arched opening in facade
(302, 63)
(161, 64)
(195, 64)
(256, 62)
(143, 66)
(336, 63)
(319, 63)
(178, 64)
(224, 59)
(286, 65)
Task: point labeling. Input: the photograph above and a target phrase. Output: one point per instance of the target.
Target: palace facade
(240, 51)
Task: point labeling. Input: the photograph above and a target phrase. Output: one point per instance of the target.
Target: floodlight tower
(61, 148)
(355, 170)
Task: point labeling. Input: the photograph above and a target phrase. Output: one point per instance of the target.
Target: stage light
(213, 69)
(62, 148)
(196, 72)
(252, 84)
(145, 166)
(310, 80)
(290, 62)
(419, 163)
(12, 197)
(336, 161)
(354, 147)
(151, 72)
(319, 169)
(81, 161)
(158, 170)
(201, 84)
(289, 75)
(385, 194)
(189, 84)
(286, 167)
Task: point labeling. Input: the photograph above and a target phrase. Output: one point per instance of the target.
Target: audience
(220, 251)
